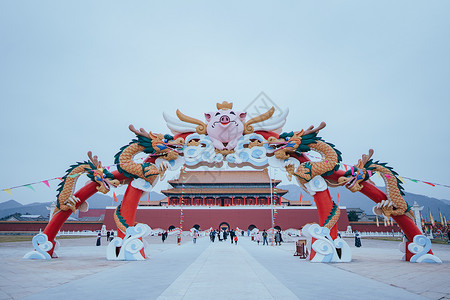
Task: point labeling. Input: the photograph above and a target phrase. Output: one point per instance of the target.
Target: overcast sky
(75, 74)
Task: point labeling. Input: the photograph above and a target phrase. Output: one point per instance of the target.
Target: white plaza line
(225, 271)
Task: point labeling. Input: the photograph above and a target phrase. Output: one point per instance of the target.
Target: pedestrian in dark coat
(278, 238)
(107, 236)
(163, 236)
(232, 235)
(99, 237)
(357, 239)
(264, 235)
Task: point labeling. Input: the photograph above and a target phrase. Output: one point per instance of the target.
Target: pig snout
(224, 120)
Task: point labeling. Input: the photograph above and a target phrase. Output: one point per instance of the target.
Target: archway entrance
(251, 227)
(224, 226)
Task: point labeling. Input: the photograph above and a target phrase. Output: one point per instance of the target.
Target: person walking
(232, 235)
(357, 239)
(235, 239)
(99, 237)
(195, 236)
(111, 236)
(221, 236)
(278, 238)
(107, 236)
(258, 238)
(264, 235)
(163, 236)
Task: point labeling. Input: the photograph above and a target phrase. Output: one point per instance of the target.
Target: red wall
(242, 218)
(36, 225)
(92, 213)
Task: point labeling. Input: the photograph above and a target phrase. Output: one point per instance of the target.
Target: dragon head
(294, 141)
(361, 172)
(100, 175)
(164, 146)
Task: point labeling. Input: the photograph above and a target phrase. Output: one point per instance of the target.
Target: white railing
(371, 234)
(81, 233)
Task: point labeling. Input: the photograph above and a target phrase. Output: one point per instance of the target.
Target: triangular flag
(60, 178)
(432, 219)
(30, 187)
(428, 183)
(46, 183)
(115, 197)
(401, 179)
(8, 191)
(353, 170)
(414, 180)
(107, 168)
(345, 166)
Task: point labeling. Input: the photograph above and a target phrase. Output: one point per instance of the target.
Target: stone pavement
(219, 271)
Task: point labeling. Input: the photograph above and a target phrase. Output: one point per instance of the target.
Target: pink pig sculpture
(225, 127)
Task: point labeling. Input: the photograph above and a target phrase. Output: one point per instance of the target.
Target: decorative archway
(226, 138)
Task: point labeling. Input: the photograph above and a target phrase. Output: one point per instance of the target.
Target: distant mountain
(358, 200)
(97, 201)
(32, 209)
(10, 204)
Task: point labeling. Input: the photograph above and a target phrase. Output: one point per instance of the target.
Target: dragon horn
(201, 128)
(311, 128)
(365, 158)
(267, 115)
(94, 159)
(140, 132)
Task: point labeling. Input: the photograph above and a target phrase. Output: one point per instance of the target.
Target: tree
(352, 216)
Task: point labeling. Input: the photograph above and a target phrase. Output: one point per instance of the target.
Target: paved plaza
(219, 270)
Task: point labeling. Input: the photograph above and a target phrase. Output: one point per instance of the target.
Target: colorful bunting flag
(46, 183)
(429, 183)
(115, 197)
(30, 187)
(8, 191)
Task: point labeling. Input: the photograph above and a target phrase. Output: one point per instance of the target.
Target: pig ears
(207, 117)
(242, 115)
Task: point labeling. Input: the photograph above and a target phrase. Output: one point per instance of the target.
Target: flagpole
(271, 201)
